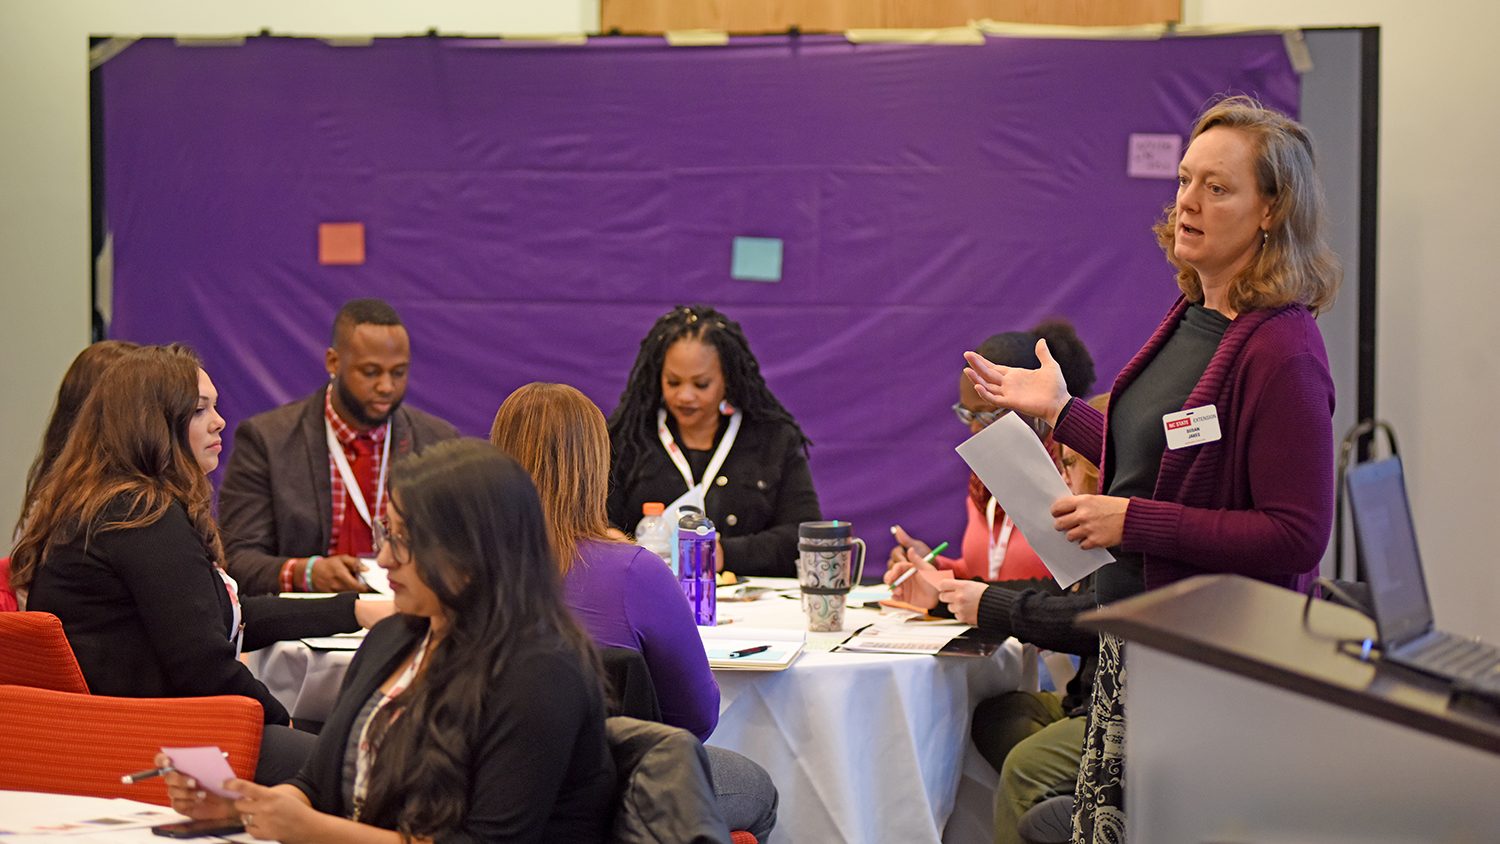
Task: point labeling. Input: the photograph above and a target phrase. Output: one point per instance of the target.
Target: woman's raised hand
(904, 541)
(1039, 393)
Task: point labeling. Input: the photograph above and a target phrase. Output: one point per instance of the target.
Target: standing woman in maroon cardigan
(1245, 486)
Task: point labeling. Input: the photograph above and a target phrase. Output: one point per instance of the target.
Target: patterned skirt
(1099, 798)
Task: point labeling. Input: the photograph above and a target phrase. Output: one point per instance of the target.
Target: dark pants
(283, 751)
(744, 792)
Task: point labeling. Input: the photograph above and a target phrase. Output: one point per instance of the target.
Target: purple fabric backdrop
(531, 210)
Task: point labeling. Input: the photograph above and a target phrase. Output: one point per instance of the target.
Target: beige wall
(1440, 122)
(1437, 353)
(44, 171)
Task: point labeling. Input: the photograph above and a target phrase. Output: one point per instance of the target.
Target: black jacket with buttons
(756, 501)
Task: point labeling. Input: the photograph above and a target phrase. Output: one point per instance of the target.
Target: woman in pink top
(992, 548)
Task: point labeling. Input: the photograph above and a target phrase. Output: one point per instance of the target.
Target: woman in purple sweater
(1217, 452)
(624, 595)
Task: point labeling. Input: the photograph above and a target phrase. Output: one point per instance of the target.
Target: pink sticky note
(935, 577)
(341, 243)
(1153, 156)
(207, 765)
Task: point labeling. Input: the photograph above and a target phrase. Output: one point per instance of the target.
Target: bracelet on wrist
(307, 580)
(289, 575)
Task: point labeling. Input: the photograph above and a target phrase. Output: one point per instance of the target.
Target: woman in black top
(477, 713)
(697, 405)
(120, 544)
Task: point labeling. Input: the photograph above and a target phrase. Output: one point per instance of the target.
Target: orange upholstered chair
(7, 594)
(34, 652)
(68, 743)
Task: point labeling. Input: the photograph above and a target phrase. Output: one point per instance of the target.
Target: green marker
(931, 555)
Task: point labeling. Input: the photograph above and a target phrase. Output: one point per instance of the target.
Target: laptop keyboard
(1451, 656)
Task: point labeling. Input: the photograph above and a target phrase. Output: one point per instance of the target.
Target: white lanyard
(237, 616)
(998, 544)
(365, 753)
(356, 494)
(700, 489)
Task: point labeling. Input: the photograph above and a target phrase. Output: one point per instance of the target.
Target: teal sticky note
(756, 259)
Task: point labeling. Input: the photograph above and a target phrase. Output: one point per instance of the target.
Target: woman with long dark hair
(476, 713)
(76, 384)
(119, 542)
(697, 425)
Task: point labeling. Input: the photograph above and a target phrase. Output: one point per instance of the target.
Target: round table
(862, 747)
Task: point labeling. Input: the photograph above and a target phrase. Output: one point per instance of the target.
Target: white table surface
(862, 747)
(25, 810)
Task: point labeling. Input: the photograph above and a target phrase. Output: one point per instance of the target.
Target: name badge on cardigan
(1194, 426)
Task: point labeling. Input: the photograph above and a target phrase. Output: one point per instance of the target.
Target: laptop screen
(1388, 543)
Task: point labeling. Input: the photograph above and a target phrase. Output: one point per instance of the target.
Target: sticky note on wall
(341, 243)
(756, 259)
(1153, 156)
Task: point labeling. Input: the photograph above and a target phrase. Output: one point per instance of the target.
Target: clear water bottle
(696, 541)
(654, 534)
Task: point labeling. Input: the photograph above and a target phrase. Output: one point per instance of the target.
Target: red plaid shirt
(346, 436)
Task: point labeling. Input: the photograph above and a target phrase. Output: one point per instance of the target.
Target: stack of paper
(899, 638)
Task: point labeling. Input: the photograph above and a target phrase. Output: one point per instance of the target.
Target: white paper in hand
(1019, 472)
(375, 577)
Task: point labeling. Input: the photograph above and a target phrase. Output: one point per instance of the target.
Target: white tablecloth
(862, 747)
(22, 811)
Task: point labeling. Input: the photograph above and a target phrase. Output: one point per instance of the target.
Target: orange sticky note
(341, 243)
(935, 577)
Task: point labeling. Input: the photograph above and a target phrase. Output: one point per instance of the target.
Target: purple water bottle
(696, 539)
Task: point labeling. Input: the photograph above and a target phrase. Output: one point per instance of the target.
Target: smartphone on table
(200, 829)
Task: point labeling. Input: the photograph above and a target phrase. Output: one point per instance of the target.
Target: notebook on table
(1387, 541)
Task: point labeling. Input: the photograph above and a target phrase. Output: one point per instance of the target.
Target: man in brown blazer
(296, 515)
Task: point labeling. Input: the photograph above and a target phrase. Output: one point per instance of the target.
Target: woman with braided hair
(697, 425)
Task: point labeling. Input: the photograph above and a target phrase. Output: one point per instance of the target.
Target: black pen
(749, 651)
(147, 774)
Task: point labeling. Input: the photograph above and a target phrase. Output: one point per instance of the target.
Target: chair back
(34, 652)
(665, 791)
(8, 602)
(632, 693)
(68, 743)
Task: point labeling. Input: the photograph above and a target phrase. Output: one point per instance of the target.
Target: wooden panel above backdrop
(760, 16)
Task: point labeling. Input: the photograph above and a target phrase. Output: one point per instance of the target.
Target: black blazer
(766, 490)
(147, 615)
(540, 769)
(276, 501)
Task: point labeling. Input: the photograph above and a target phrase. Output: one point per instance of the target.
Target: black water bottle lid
(693, 519)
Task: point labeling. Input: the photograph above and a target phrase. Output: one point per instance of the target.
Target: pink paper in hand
(935, 577)
(204, 764)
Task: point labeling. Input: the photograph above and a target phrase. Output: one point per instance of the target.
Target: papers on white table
(894, 636)
(1019, 472)
(24, 815)
(773, 648)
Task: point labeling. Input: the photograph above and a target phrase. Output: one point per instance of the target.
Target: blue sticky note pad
(756, 259)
